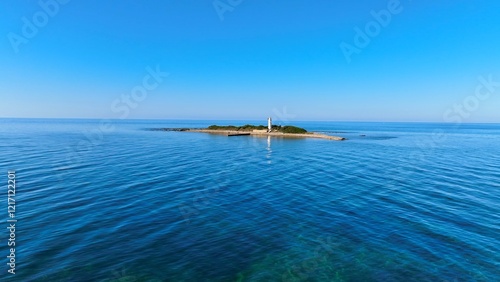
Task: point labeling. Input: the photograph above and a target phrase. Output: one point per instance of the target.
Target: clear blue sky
(263, 56)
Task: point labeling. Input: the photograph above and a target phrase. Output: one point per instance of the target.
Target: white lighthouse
(269, 124)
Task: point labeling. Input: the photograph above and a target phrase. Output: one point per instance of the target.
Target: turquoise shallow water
(406, 202)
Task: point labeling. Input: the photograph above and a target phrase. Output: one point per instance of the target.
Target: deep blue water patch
(398, 204)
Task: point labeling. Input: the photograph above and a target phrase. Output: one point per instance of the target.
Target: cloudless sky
(263, 58)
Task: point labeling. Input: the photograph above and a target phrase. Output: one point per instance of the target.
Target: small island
(287, 131)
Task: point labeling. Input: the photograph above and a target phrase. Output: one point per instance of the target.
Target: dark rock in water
(169, 129)
(176, 129)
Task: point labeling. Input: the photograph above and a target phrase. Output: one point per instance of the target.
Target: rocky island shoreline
(259, 131)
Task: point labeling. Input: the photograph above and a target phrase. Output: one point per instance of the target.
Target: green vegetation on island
(249, 127)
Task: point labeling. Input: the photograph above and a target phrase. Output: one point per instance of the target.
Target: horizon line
(197, 119)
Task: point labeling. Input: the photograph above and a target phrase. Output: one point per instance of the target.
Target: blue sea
(99, 201)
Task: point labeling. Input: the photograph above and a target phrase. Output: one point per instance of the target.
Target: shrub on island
(293, 129)
(249, 127)
(226, 127)
(246, 127)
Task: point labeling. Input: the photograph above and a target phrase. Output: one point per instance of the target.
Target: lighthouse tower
(269, 124)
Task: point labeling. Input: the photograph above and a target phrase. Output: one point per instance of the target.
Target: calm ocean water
(406, 202)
